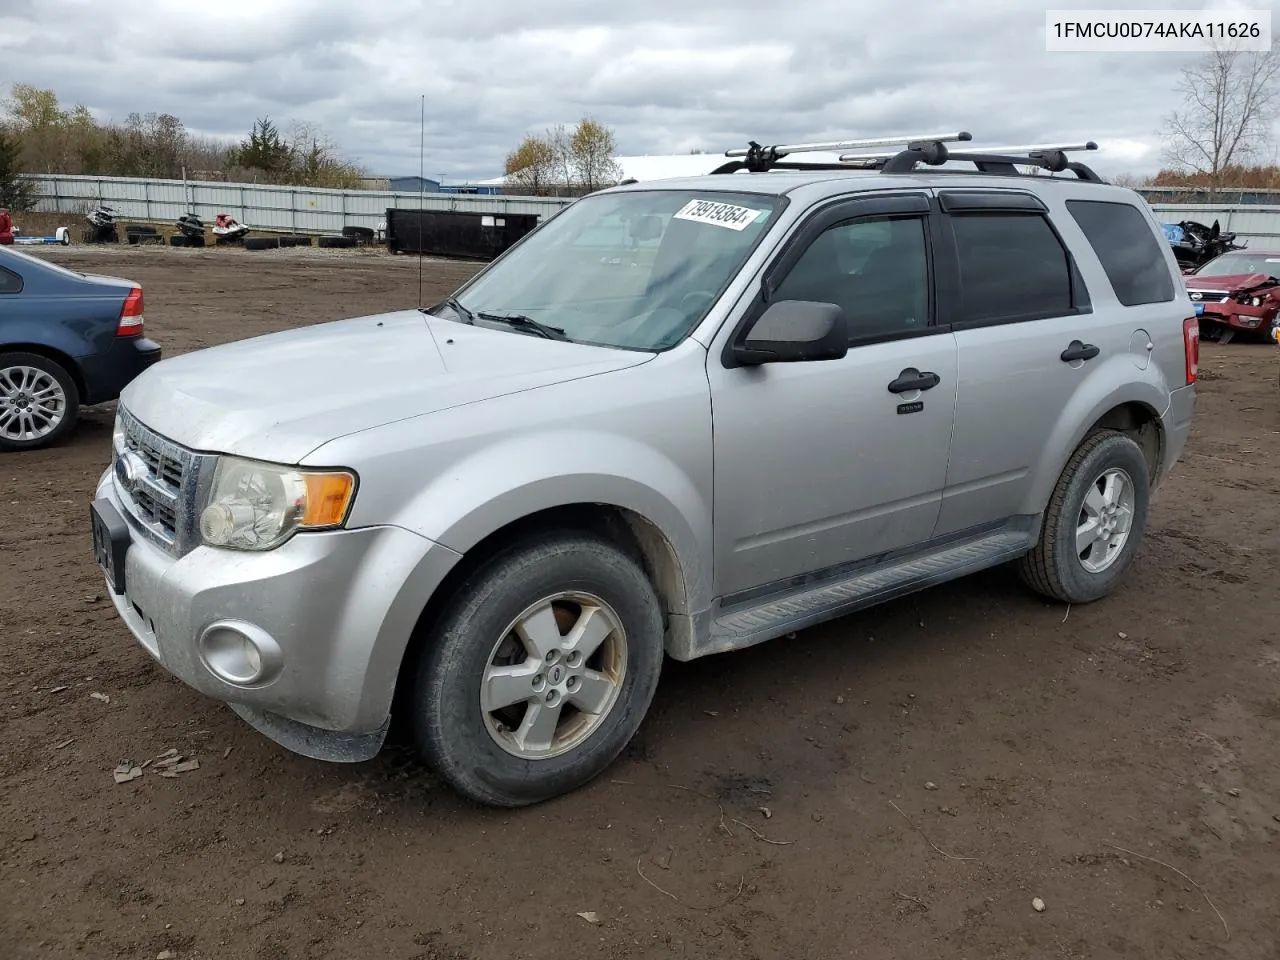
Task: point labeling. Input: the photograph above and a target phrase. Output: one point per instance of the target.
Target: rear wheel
(1095, 521)
(540, 671)
(38, 401)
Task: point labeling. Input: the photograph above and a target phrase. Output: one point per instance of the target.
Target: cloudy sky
(667, 75)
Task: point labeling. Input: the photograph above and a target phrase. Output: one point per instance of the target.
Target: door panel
(1019, 303)
(820, 464)
(815, 466)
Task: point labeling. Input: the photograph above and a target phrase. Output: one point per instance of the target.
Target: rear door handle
(913, 379)
(1079, 351)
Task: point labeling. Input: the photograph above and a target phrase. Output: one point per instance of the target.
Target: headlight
(258, 506)
(1255, 302)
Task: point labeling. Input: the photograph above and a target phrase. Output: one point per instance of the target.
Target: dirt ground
(901, 783)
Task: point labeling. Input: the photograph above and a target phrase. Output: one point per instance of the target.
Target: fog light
(240, 653)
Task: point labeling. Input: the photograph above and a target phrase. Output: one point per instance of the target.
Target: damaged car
(1238, 292)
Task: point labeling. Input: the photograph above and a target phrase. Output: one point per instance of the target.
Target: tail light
(1191, 345)
(131, 323)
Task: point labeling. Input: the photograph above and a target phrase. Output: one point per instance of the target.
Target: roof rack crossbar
(1051, 158)
(1002, 150)
(759, 159)
(832, 146)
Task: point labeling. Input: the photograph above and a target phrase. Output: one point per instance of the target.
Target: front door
(819, 465)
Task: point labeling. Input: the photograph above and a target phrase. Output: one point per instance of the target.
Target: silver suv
(678, 418)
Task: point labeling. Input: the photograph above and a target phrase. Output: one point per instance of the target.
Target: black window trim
(990, 204)
(1173, 285)
(908, 202)
(16, 276)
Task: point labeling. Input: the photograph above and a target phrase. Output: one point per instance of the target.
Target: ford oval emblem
(1197, 296)
(132, 470)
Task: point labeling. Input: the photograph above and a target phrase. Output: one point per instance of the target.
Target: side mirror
(794, 331)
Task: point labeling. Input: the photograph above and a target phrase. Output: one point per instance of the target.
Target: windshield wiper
(521, 322)
(466, 315)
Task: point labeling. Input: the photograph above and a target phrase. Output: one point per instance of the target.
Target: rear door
(1027, 337)
(824, 464)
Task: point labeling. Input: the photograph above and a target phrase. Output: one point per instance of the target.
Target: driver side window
(875, 269)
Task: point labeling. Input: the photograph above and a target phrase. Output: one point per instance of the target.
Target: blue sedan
(67, 340)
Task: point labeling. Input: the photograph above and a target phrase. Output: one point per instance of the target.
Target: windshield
(1240, 263)
(636, 270)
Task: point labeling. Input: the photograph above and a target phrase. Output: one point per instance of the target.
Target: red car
(1238, 292)
(6, 227)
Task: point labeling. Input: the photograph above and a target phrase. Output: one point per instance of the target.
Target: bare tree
(562, 151)
(1228, 100)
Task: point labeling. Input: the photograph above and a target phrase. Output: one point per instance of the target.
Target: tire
(335, 243)
(358, 234)
(461, 741)
(178, 240)
(1055, 568)
(22, 372)
(261, 243)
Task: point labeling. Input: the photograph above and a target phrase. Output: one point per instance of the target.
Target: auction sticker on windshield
(720, 214)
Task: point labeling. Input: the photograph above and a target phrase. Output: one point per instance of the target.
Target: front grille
(1209, 296)
(157, 482)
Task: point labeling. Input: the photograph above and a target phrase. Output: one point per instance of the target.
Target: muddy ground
(901, 783)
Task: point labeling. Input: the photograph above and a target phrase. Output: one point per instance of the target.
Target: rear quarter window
(1128, 249)
(10, 282)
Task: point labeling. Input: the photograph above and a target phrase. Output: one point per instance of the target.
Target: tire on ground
(261, 243)
(1054, 568)
(70, 393)
(448, 721)
(178, 240)
(335, 243)
(361, 234)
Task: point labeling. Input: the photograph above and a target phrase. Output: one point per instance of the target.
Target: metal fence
(262, 207)
(308, 210)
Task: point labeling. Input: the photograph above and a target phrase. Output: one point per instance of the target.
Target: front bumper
(304, 642)
(1240, 316)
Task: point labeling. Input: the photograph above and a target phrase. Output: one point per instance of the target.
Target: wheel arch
(64, 360)
(637, 534)
(1129, 411)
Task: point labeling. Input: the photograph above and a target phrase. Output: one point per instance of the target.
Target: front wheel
(540, 671)
(1095, 520)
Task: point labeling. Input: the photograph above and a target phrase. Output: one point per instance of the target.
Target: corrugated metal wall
(266, 208)
(328, 211)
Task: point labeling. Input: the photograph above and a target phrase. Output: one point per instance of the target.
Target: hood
(280, 396)
(1228, 282)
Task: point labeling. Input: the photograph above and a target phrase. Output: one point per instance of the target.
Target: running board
(747, 624)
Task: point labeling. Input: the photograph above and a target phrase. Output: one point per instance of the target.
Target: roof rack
(995, 160)
(929, 149)
(758, 159)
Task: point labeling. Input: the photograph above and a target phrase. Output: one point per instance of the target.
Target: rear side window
(1012, 266)
(10, 282)
(1126, 245)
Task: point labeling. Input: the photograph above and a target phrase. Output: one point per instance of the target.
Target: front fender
(521, 475)
(1112, 385)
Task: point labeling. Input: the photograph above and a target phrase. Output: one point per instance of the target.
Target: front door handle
(1079, 351)
(913, 379)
